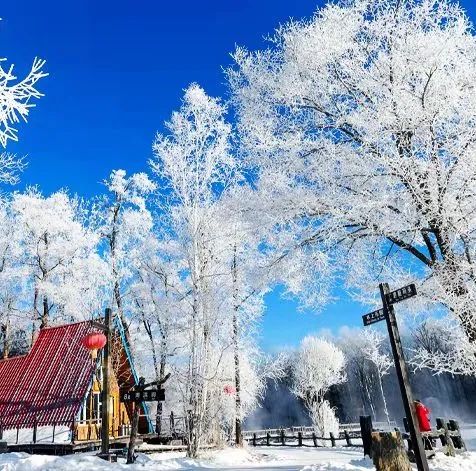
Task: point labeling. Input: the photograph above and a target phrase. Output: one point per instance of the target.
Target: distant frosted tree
(372, 350)
(440, 345)
(319, 364)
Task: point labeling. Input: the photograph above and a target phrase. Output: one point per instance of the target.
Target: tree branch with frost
(15, 104)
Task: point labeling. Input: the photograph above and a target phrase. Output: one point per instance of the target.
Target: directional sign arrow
(401, 294)
(373, 317)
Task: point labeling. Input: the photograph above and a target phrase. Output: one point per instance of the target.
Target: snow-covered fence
(354, 426)
(350, 427)
(302, 438)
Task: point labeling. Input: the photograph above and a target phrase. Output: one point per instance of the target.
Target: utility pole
(105, 385)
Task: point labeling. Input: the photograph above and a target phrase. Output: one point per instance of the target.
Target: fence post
(1, 430)
(254, 439)
(299, 438)
(445, 437)
(35, 427)
(73, 430)
(283, 438)
(407, 429)
(440, 425)
(268, 436)
(17, 435)
(347, 438)
(314, 439)
(54, 430)
(366, 432)
(333, 439)
(458, 441)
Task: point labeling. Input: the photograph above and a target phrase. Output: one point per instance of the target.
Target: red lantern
(94, 342)
(229, 390)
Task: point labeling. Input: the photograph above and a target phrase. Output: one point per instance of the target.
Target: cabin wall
(90, 427)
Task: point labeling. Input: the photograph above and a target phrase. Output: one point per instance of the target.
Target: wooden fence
(302, 439)
(448, 432)
(306, 436)
(33, 428)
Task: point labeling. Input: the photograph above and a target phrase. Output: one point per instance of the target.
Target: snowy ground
(250, 459)
(269, 459)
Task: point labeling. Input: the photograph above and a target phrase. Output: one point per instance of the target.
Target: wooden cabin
(58, 385)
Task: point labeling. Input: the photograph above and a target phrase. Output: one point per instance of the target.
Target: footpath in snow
(271, 459)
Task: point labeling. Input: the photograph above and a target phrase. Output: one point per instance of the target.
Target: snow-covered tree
(156, 305)
(367, 363)
(373, 351)
(58, 261)
(247, 277)
(11, 279)
(319, 364)
(194, 167)
(122, 220)
(440, 345)
(360, 123)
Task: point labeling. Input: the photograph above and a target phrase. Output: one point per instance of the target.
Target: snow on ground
(248, 459)
(242, 459)
(271, 459)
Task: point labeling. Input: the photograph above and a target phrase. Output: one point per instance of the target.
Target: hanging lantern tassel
(94, 342)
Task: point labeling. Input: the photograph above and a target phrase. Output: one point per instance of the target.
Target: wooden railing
(26, 426)
(448, 432)
(92, 426)
(302, 438)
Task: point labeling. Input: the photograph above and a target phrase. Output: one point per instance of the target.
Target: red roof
(49, 383)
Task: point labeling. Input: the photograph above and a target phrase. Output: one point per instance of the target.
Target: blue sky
(117, 70)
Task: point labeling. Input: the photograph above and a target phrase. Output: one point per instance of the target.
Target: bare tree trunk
(384, 400)
(45, 314)
(6, 338)
(163, 359)
(133, 437)
(236, 352)
(36, 312)
(192, 442)
(115, 274)
(369, 397)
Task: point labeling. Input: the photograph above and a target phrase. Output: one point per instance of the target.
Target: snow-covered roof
(50, 382)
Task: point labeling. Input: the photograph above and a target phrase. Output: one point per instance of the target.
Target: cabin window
(84, 409)
(97, 405)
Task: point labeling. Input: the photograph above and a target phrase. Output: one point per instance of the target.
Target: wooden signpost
(387, 312)
(139, 394)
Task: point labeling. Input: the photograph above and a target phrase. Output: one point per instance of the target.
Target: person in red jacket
(423, 415)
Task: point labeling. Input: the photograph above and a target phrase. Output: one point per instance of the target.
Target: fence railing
(303, 438)
(448, 432)
(64, 431)
(21, 431)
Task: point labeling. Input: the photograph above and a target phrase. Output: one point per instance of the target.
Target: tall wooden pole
(403, 380)
(105, 386)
